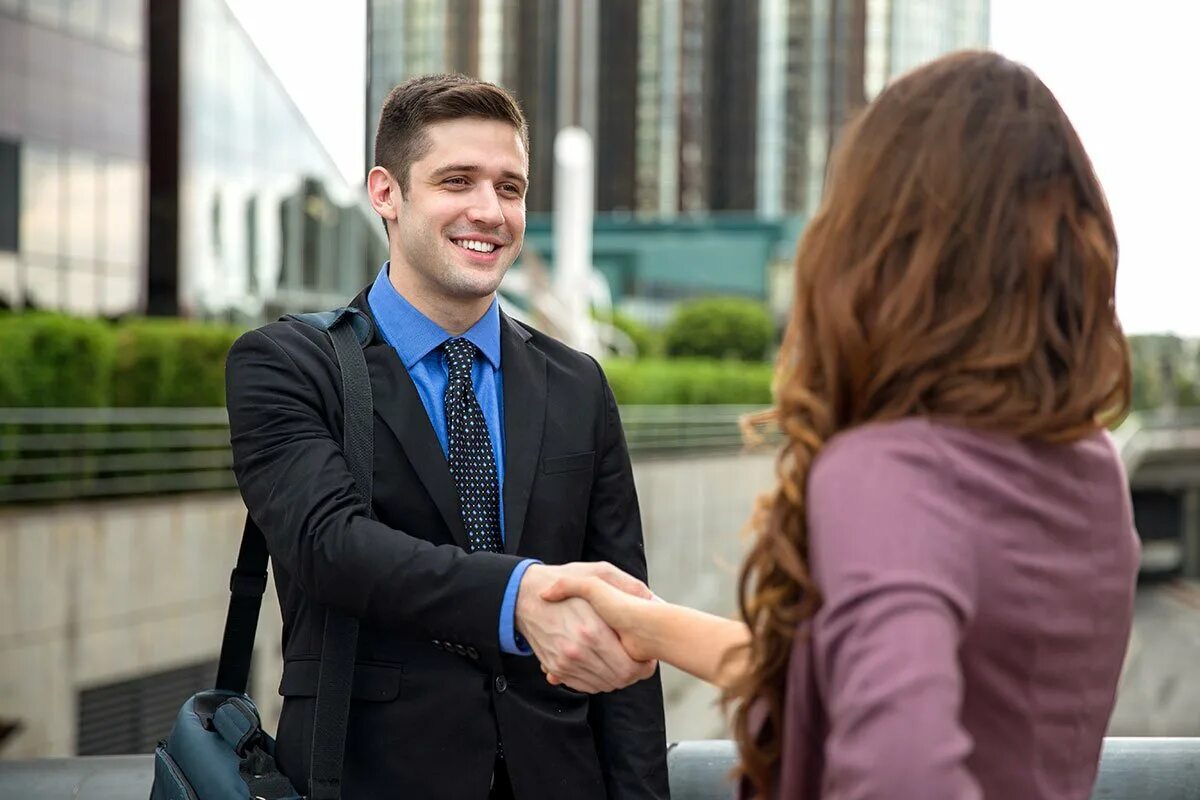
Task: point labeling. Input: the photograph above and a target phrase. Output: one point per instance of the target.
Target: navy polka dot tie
(472, 463)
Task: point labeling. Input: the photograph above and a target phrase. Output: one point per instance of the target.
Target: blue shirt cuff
(512, 642)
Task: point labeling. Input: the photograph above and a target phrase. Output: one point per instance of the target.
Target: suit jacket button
(472, 652)
(458, 648)
(501, 684)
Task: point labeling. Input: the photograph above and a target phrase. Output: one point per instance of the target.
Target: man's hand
(622, 612)
(570, 640)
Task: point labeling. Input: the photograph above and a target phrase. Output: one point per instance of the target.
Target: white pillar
(573, 210)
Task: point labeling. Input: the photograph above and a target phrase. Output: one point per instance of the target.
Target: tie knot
(460, 357)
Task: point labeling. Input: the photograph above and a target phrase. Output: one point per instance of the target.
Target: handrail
(1135, 768)
(75, 453)
(66, 453)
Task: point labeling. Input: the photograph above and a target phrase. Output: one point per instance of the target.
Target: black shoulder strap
(350, 330)
(246, 587)
(341, 631)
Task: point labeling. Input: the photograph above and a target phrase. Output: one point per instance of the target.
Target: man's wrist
(511, 639)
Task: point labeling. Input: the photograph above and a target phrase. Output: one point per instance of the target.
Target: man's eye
(459, 181)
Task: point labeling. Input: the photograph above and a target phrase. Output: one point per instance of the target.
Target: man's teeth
(471, 244)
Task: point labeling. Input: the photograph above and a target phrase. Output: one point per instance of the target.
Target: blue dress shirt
(417, 340)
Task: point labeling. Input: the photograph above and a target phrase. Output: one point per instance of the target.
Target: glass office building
(151, 162)
(72, 155)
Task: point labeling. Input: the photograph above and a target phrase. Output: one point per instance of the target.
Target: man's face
(461, 224)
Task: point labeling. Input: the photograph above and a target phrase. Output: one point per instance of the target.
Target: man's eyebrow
(473, 168)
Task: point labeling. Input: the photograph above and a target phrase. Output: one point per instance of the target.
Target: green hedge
(53, 360)
(720, 327)
(171, 363)
(689, 382)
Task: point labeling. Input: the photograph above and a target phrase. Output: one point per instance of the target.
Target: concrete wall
(94, 593)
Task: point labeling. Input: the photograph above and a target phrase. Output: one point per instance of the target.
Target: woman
(939, 598)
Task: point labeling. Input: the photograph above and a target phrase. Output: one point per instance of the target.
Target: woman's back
(978, 594)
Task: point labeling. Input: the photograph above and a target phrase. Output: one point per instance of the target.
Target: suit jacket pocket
(376, 682)
(568, 463)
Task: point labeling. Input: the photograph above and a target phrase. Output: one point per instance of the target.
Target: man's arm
(629, 725)
(300, 492)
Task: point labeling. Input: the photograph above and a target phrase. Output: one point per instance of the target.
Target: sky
(1128, 75)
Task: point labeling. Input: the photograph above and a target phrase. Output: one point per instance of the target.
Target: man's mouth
(476, 245)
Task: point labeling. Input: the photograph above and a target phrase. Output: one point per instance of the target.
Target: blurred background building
(695, 106)
(151, 162)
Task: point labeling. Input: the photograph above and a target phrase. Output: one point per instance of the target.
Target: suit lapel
(524, 370)
(399, 406)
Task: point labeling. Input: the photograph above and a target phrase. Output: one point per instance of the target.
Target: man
(496, 448)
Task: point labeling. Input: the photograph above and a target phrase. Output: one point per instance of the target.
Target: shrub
(720, 327)
(170, 362)
(52, 360)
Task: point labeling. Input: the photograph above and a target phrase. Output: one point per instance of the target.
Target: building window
(82, 17)
(124, 208)
(10, 285)
(123, 23)
(132, 716)
(41, 196)
(10, 195)
(81, 226)
(47, 12)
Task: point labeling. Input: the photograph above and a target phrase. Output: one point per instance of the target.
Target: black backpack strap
(341, 631)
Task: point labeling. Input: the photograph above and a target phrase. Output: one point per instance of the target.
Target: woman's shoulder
(931, 448)
(878, 450)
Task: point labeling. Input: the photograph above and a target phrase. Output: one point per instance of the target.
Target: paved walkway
(1160, 688)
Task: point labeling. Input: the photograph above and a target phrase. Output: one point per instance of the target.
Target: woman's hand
(623, 612)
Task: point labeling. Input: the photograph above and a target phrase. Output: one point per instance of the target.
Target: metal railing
(1130, 769)
(77, 453)
(74, 453)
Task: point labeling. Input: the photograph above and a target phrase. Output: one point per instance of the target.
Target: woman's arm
(701, 644)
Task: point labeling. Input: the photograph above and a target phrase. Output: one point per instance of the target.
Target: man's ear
(384, 193)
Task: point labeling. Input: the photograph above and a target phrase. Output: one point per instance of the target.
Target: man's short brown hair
(400, 139)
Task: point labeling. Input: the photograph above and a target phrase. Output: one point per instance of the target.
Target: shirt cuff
(512, 642)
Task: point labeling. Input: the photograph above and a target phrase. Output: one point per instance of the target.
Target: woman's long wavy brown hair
(962, 266)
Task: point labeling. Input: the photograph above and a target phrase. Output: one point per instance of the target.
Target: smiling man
(500, 464)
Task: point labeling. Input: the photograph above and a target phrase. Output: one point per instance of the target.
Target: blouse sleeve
(894, 563)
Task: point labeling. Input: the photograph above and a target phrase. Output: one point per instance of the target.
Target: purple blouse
(978, 595)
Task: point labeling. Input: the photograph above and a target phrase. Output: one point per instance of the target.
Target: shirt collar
(414, 335)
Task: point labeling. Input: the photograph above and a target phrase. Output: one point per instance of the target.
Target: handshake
(581, 620)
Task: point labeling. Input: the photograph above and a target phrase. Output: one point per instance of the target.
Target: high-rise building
(513, 43)
(903, 34)
(695, 106)
(151, 162)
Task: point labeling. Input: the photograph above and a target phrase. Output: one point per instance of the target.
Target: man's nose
(485, 208)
